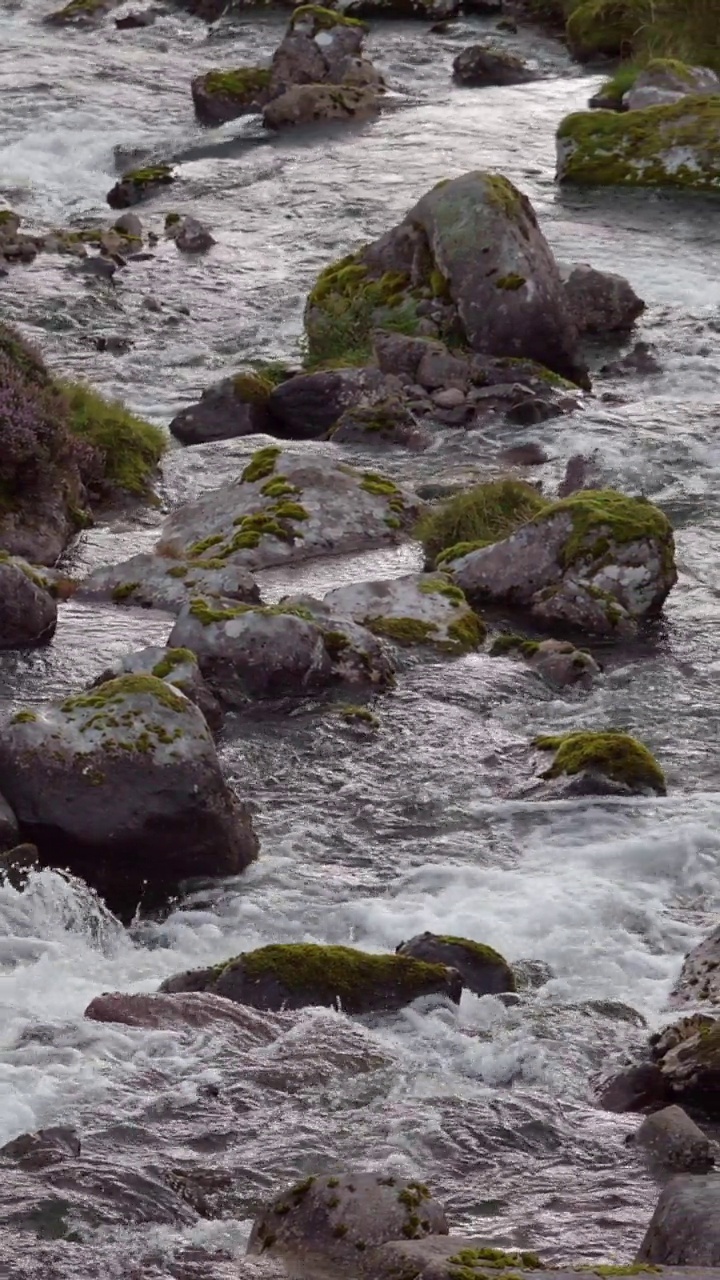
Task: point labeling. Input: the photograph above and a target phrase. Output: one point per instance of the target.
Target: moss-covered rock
(664, 81)
(418, 609)
(479, 65)
(477, 517)
(666, 146)
(106, 776)
(482, 969)
(81, 12)
(612, 755)
(140, 184)
(604, 27)
(219, 96)
(559, 662)
(177, 667)
(159, 582)
(294, 975)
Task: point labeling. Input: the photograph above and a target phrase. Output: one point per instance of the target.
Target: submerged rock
(699, 979)
(177, 667)
(295, 975)
(161, 582)
(559, 662)
(640, 1087)
(325, 1226)
(474, 244)
(44, 1148)
(286, 508)
(190, 1009)
(386, 422)
(600, 301)
(672, 1139)
(479, 65)
(685, 1227)
(140, 184)
(123, 786)
(598, 561)
(664, 81)
(28, 612)
(673, 146)
(247, 653)
(190, 235)
(418, 609)
(601, 763)
(482, 969)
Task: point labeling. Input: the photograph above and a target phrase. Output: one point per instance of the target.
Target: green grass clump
(618, 755)
(483, 514)
(619, 83)
(603, 517)
(130, 448)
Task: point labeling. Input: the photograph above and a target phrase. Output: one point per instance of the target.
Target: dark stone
(477, 66)
(639, 1088)
(483, 970)
(580, 473)
(220, 414)
(531, 454)
(46, 1147)
(17, 863)
(685, 1227)
(144, 18)
(307, 406)
(28, 613)
(640, 360)
(528, 413)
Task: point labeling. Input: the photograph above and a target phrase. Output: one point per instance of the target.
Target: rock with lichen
(559, 662)
(414, 610)
(236, 406)
(482, 969)
(598, 561)
(28, 611)
(177, 667)
(248, 652)
(162, 582)
(122, 785)
(326, 1225)
(285, 508)
(699, 981)
(222, 95)
(456, 1257)
(672, 146)
(596, 763)
(474, 244)
(688, 1055)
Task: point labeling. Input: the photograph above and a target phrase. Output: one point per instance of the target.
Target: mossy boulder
(28, 611)
(456, 1257)
(285, 508)
(81, 12)
(672, 146)
(665, 81)
(482, 969)
(219, 96)
(479, 65)
(598, 561)
(236, 406)
(475, 243)
(122, 785)
(160, 582)
(138, 185)
(247, 652)
(307, 406)
(603, 762)
(383, 422)
(296, 975)
(476, 517)
(699, 980)
(177, 667)
(413, 611)
(331, 1225)
(558, 662)
(604, 28)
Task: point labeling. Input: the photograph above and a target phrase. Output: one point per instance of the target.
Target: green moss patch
(323, 19)
(116, 691)
(617, 755)
(601, 517)
(347, 303)
(172, 659)
(482, 952)
(261, 464)
(129, 447)
(481, 515)
(243, 84)
(404, 631)
(339, 972)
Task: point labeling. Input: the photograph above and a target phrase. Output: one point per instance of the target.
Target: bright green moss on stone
(279, 487)
(618, 755)
(323, 19)
(466, 633)
(206, 614)
(346, 304)
(290, 511)
(619, 83)
(114, 692)
(468, 1263)
(460, 549)
(354, 714)
(338, 972)
(243, 84)
(601, 517)
(668, 146)
(172, 659)
(404, 631)
(123, 591)
(509, 643)
(161, 173)
(511, 282)
(261, 464)
(24, 717)
(442, 587)
(480, 515)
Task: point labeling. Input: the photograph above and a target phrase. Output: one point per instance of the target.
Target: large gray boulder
(161, 582)
(600, 301)
(417, 609)
(665, 81)
(307, 406)
(285, 508)
(597, 561)
(482, 969)
(699, 981)
(326, 1226)
(672, 1139)
(28, 613)
(295, 975)
(248, 653)
(177, 667)
(685, 1227)
(473, 243)
(123, 786)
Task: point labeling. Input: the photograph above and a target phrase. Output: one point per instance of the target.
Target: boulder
(700, 975)
(234, 407)
(598, 561)
(305, 104)
(478, 65)
(385, 422)
(122, 785)
(559, 662)
(640, 361)
(581, 472)
(688, 1054)
(140, 184)
(473, 244)
(177, 667)
(640, 1087)
(191, 1009)
(319, 1226)
(600, 763)
(28, 612)
(673, 146)
(307, 406)
(664, 81)
(191, 236)
(160, 582)
(286, 508)
(483, 970)
(672, 1139)
(219, 96)
(450, 1257)
(295, 975)
(418, 609)
(18, 863)
(247, 653)
(600, 301)
(685, 1227)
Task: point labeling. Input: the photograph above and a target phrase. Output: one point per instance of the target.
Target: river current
(365, 839)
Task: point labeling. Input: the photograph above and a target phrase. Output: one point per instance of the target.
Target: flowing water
(365, 839)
